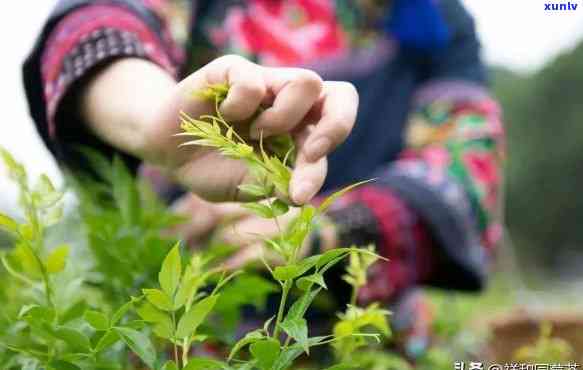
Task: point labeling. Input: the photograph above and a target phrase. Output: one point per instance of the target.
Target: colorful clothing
(427, 128)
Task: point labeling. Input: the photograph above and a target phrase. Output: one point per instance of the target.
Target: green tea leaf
(120, 313)
(286, 358)
(139, 343)
(265, 352)
(260, 210)
(249, 338)
(199, 363)
(159, 299)
(62, 365)
(332, 198)
(169, 276)
(74, 338)
(300, 306)
(97, 320)
(330, 255)
(8, 224)
(193, 318)
(283, 273)
(57, 259)
(279, 208)
(187, 289)
(170, 365)
(125, 191)
(253, 190)
(108, 339)
(298, 330)
(74, 312)
(306, 282)
(341, 367)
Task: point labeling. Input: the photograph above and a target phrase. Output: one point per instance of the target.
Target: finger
(246, 86)
(252, 253)
(339, 106)
(296, 91)
(247, 231)
(307, 177)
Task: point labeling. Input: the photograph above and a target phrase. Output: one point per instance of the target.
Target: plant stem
(185, 350)
(285, 291)
(176, 359)
(354, 296)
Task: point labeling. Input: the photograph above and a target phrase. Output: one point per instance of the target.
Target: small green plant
(85, 307)
(546, 348)
(355, 325)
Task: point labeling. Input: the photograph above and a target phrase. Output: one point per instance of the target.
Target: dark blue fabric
(418, 25)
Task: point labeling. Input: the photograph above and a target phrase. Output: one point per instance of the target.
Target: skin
(239, 227)
(134, 105)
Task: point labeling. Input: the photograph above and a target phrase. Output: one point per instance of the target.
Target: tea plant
(68, 309)
(546, 348)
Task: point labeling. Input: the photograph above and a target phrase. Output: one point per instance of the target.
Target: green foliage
(118, 210)
(90, 305)
(546, 349)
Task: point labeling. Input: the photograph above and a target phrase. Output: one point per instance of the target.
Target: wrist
(121, 104)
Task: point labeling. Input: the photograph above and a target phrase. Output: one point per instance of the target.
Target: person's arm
(79, 39)
(134, 107)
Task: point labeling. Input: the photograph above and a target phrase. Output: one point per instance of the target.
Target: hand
(248, 232)
(202, 217)
(131, 108)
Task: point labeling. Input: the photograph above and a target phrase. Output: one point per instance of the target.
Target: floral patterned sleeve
(80, 37)
(432, 212)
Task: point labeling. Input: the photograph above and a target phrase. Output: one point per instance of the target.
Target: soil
(514, 330)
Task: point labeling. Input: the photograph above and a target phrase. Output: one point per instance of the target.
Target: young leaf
(341, 367)
(170, 365)
(260, 210)
(299, 308)
(332, 198)
(331, 255)
(298, 330)
(266, 352)
(306, 282)
(74, 338)
(108, 339)
(57, 259)
(139, 343)
(193, 318)
(249, 338)
(8, 224)
(163, 326)
(171, 270)
(187, 289)
(279, 208)
(283, 273)
(286, 358)
(253, 190)
(199, 363)
(120, 313)
(62, 365)
(97, 320)
(159, 299)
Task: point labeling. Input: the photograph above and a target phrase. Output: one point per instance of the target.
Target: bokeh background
(536, 59)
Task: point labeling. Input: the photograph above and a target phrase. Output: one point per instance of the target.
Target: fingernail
(303, 192)
(318, 148)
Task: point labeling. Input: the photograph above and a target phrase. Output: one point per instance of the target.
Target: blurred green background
(544, 168)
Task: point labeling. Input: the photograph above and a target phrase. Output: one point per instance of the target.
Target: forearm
(119, 102)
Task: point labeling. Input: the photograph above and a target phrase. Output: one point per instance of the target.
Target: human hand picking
(318, 114)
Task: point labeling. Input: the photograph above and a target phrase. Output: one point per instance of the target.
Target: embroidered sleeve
(78, 38)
